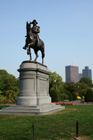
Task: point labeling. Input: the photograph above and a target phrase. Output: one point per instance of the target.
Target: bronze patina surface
(33, 41)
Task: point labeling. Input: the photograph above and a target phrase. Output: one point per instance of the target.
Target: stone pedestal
(34, 96)
(34, 84)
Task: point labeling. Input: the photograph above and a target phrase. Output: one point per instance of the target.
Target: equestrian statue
(33, 41)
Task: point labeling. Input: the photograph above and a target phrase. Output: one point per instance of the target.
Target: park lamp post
(78, 88)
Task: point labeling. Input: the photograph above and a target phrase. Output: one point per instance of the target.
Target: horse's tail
(42, 49)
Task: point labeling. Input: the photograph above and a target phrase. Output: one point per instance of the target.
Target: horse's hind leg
(36, 55)
(42, 60)
(30, 56)
(43, 55)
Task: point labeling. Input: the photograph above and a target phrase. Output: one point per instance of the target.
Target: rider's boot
(24, 47)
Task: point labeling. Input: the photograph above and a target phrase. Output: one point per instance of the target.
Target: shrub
(2, 98)
(74, 96)
(89, 96)
(70, 95)
(53, 95)
(63, 96)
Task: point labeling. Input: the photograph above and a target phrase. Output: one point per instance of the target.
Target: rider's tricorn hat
(34, 22)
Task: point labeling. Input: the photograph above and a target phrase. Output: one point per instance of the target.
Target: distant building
(87, 73)
(72, 74)
(80, 76)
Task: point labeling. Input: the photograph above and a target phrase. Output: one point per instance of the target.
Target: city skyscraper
(87, 72)
(72, 74)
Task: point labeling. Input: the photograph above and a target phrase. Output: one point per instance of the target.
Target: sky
(66, 28)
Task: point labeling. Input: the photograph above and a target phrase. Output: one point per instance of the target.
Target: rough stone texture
(34, 91)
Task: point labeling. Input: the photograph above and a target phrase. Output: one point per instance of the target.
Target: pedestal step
(32, 110)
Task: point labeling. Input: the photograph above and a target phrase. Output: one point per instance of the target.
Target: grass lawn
(12, 124)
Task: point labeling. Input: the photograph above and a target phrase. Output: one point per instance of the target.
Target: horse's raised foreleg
(25, 45)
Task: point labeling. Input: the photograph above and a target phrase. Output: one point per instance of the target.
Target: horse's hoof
(28, 52)
(42, 63)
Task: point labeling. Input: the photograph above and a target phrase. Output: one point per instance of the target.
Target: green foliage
(7, 81)
(74, 96)
(79, 88)
(12, 95)
(82, 89)
(86, 80)
(2, 98)
(70, 95)
(53, 95)
(63, 96)
(71, 87)
(82, 93)
(55, 81)
(17, 84)
(89, 96)
(9, 86)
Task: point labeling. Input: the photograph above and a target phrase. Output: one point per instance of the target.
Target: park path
(79, 103)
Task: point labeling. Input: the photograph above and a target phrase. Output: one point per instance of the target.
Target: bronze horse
(31, 42)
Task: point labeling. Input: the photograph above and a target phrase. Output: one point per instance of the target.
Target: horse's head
(29, 30)
(28, 26)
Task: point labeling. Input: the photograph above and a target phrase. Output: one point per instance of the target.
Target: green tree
(81, 89)
(74, 96)
(15, 93)
(8, 83)
(53, 95)
(3, 74)
(75, 89)
(55, 81)
(70, 95)
(65, 89)
(86, 80)
(71, 87)
(9, 94)
(2, 98)
(63, 96)
(89, 96)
